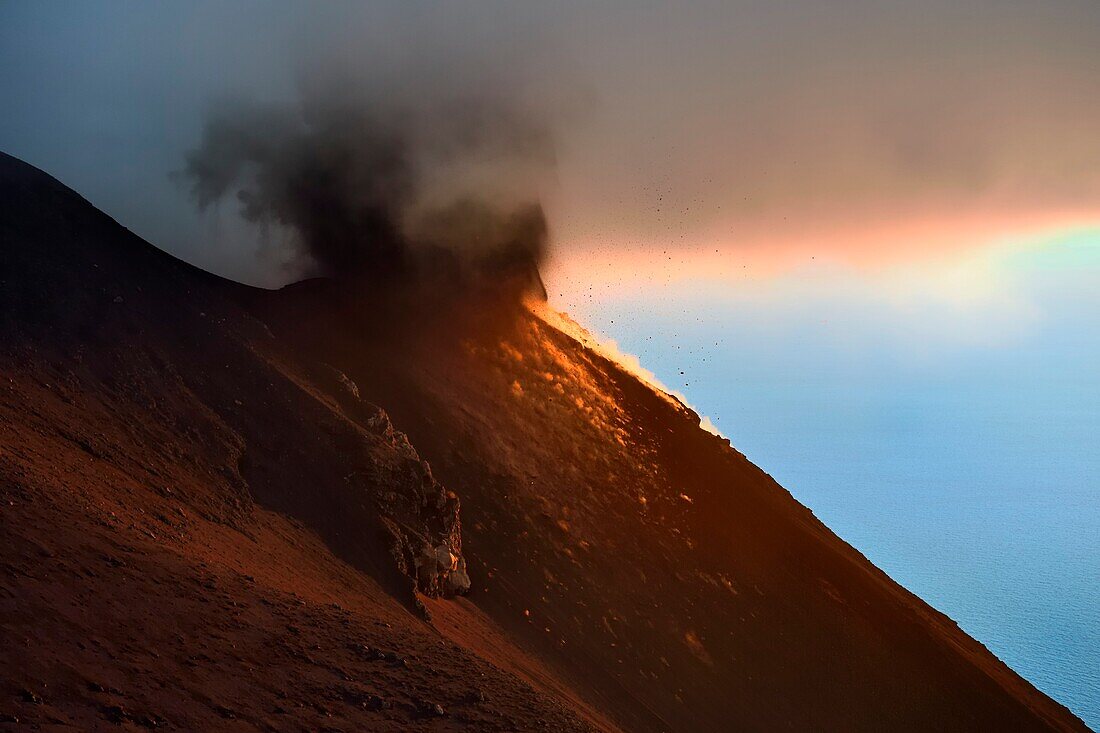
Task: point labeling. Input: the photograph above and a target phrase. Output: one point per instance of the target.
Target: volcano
(330, 508)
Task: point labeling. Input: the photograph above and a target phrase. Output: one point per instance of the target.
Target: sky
(867, 131)
(861, 237)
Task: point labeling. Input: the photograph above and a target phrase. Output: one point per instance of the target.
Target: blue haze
(969, 470)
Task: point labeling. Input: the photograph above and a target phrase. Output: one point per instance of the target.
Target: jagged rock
(421, 516)
(380, 425)
(350, 386)
(458, 581)
(115, 713)
(341, 380)
(439, 567)
(29, 696)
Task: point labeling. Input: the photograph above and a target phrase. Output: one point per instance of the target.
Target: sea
(957, 448)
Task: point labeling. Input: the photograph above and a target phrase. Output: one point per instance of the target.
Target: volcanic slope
(229, 508)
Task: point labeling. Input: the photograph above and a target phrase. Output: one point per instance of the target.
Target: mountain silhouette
(331, 507)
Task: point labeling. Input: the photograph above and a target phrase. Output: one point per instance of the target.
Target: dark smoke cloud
(438, 193)
(753, 126)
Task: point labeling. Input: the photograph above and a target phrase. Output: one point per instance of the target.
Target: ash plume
(442, 194)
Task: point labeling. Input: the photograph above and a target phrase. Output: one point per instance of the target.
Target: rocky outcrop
(421, 516)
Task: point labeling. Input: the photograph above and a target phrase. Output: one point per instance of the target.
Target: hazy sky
(767, 130)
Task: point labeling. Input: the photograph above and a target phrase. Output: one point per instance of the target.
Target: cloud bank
(745, 125)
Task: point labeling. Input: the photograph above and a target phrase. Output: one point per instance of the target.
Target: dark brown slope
(649, 563)
(189, 485)
(189, 523)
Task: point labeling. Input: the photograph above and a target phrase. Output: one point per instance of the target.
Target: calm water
(985, 504)
(968, 469)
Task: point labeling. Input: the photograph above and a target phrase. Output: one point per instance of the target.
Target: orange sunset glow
(498, 366)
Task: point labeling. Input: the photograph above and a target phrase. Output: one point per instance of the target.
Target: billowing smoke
(757, 132)
(436, 193)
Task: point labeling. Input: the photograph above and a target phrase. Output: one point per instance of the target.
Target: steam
(430, 192)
